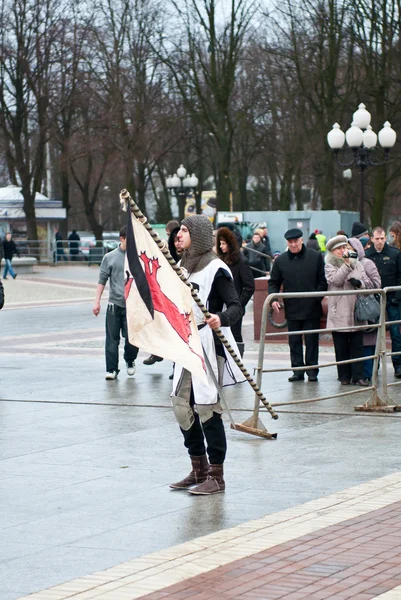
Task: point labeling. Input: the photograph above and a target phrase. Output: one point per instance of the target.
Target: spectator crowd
(341, 263)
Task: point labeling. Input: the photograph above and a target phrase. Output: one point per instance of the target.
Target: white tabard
(207, 394)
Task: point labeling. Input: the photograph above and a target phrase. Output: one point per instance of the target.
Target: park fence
(379, 400)
(60, 253)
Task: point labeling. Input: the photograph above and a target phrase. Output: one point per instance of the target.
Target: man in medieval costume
(196, 406)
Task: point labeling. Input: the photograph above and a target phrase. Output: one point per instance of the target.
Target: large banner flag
(159, 305)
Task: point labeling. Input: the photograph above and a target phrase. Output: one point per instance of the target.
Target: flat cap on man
(293, 234)
(336, 242)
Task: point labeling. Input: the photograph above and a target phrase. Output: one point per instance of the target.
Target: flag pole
(125, 200)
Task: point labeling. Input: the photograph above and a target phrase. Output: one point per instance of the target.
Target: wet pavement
(85, 463)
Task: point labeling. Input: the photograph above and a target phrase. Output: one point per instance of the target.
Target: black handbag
(1, 295)
(367, 308)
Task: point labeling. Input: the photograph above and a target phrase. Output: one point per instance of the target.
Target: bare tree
(376, 29)
(68, 89)
(314, 41)
(204, 67)
(28, 33)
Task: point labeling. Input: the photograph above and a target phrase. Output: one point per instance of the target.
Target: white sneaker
(130, 368)
(111, 375)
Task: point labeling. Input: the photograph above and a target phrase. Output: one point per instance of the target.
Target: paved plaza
(86, 511)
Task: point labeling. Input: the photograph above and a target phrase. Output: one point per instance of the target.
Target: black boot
(200, 467)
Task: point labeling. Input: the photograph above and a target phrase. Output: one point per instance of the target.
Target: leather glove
(355, 282)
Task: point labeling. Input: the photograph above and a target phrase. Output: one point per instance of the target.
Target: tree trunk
(65, 198)
(30, 215)
(242, 174)
(326, 184)
(223, 186)
(286, 189)
(298, 189)
(141, 186)
(129, 182)
(95, 226)
(272, 173)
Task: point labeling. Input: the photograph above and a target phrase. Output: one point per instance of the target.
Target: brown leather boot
(214, 483)
(200, 467)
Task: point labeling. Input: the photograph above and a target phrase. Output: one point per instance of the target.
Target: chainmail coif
(199, 254)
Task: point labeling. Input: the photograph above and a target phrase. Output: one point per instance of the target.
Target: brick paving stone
(356, 560)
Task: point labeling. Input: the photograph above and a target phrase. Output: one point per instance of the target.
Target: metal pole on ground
(380, 402)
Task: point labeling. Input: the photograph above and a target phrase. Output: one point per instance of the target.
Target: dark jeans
(311, 345)
(393, 314)
(368, 364)
(60, 254)
(8, 268)
(213, 431)
(116, 324)
(348, 345)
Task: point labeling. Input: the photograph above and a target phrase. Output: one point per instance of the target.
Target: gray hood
(357, 246)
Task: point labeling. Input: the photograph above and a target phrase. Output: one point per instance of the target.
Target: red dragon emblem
(161, 303)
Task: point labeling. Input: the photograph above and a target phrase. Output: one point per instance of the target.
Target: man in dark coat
(255, 254)
(388, 262)
(73, 244)
(265, 240)
(60, 255)
(300, 269)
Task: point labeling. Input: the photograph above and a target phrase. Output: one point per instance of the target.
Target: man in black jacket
(300, 269)
(255, 253)
(388, 262)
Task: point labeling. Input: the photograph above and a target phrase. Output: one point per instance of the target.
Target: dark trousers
(116, 325)
(311, 345)
(368, 364)
(347, 345)
(213, 431)
(236, 330)
(393, 314)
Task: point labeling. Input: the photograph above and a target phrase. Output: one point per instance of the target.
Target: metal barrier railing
(91, 252)
(383, 352)
(379, 400)
(61, 252)
(269, 258)
(38, 249)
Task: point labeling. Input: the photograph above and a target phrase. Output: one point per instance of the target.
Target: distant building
(49, 213)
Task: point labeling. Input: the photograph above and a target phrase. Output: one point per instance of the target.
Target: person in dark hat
(359, 231)
(300, 269)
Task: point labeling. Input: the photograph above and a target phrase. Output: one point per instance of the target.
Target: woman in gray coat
(375, 282)
(343, 272)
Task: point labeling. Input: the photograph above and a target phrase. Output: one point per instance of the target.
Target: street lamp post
(182, 185)
(362, 147)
